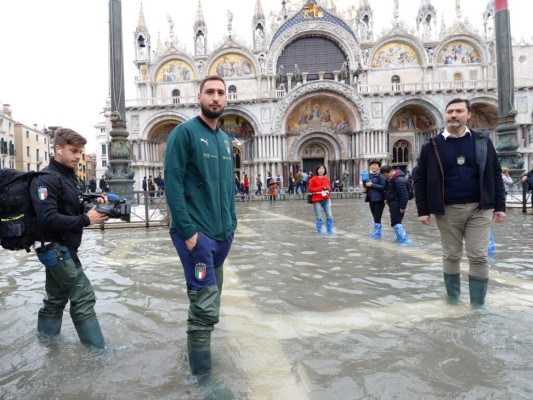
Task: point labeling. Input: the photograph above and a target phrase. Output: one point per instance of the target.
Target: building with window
(318, 85)
(7, 138)
(32, 148)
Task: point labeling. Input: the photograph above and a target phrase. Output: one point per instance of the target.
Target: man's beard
(211, 114)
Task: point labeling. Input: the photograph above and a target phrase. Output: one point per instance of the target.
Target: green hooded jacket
(199, 184)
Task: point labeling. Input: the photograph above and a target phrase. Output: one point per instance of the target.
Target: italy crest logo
(200, 271)
(42, 193)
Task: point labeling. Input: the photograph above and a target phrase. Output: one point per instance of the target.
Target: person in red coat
(320, 187)
(246, 184)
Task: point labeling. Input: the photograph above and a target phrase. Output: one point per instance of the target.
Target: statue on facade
(297, 74)
(262, 63)
(200, 45)
(230, 21)
(344, 71)
(259, 38)
(280, 75)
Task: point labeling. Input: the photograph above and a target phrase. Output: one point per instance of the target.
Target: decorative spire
(442, 26)
(141, 24)
(258, 14)
(199, 15)
(396, 13)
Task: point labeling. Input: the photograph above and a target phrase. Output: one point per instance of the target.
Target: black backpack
(18, 222)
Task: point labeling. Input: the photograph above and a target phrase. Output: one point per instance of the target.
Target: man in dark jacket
(55, 198)
(396, 197)
(459, 180)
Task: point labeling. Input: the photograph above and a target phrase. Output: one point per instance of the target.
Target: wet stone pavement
(303, 316)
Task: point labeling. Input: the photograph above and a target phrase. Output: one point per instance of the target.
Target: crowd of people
(458, 180)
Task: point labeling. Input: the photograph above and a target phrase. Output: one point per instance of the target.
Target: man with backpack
(459, 180)
(60, 220)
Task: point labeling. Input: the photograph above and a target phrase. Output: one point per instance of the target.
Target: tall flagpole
(507, 129)
(119, 170)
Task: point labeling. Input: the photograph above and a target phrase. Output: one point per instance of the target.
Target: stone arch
(184, 58)
(338, 35)
(484, 56)
(226, 51)
(244, 113)
(327, 137)
(407, 40)
(160, 119)
(484, 113)
(279, 120)
(402, 103)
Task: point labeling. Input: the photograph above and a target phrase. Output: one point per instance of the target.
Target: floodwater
(303, 316)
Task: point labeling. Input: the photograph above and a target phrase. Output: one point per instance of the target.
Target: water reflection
(303, 316)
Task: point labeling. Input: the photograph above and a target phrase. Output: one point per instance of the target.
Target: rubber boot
(199, 349)
(48, 328)
(478, 290)
(453, 287)
(490, 250)
(401, 234)
(90, 333)
(329, 226)
(318, 226)
(377, 232)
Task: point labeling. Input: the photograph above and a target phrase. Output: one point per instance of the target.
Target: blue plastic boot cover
(318, 226)
(377, 232)
(329, 226)
(401, 234)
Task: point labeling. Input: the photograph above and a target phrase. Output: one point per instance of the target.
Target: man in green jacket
(200, 194)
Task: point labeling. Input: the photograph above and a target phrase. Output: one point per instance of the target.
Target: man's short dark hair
(321, 165)
(211, 78)
(63, 136)
(385, 169)
(459, 100)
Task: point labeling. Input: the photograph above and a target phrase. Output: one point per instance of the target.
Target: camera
(115, 208)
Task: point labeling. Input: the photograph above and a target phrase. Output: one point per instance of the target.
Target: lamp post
(507, 128)
(119, 172)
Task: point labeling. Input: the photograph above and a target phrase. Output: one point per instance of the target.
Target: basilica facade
(319, 86)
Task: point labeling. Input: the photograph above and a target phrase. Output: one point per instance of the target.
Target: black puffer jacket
(56, 201)
(396, 190)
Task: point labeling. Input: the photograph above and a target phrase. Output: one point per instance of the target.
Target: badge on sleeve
(200, 270)
(42, 192)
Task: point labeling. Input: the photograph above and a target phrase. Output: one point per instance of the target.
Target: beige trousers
(468, 223)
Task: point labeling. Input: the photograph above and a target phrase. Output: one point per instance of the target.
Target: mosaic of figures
(458, 53)
(395, 54)
(483, 118)
(175, 71)
(232, 66)
(412, 118)
(236, 127)
(318, 113)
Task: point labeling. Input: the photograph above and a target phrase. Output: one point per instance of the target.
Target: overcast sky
(54, 53)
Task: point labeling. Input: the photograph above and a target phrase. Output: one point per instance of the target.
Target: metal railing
(409, 87)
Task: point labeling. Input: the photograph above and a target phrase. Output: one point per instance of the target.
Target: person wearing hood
(396, 197)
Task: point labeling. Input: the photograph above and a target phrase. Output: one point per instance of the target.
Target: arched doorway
(159, 135)
(313, 153)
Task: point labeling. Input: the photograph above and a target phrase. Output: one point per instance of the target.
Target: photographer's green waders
(204, 275)
(65, 280)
